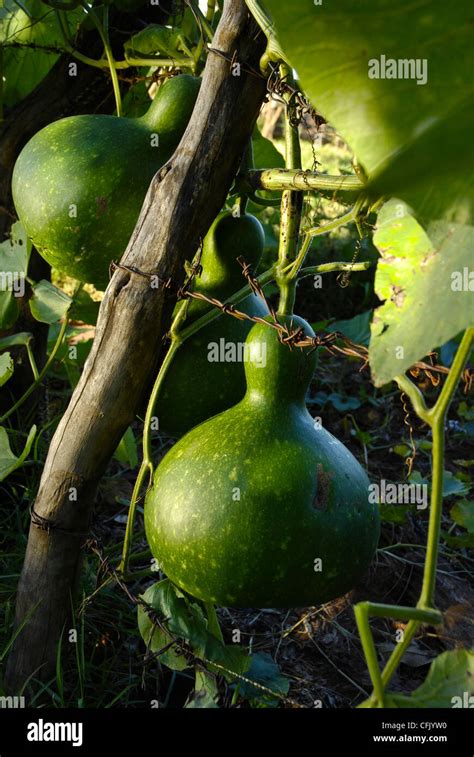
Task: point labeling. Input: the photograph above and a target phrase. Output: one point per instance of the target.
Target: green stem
(206, 26)
(290, 214)
(127, 541)
(184, 62)
(460, 359)
(424, 612)
(416, 397)
(104, 35)
(397, 654)
(32, 360)
(361, 612)
(146, 466)
(211, 7)
(437, 416)
(147, 462)
(277, 179)
(41, 374)
(343, 220)
(364, 265)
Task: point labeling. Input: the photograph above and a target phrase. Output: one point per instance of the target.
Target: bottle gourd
(78, 185)
(258, 507)
(196, 386)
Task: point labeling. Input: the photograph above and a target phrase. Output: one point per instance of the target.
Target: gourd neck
(278, 376)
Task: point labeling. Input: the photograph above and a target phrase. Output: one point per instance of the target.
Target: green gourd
(196, 387)
(78, 185)
(258, 507)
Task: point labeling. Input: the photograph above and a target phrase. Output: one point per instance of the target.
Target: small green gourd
(203, 379)
(78, 185)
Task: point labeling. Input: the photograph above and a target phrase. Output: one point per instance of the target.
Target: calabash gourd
(78, 185)
(258, 507)
(204, 377)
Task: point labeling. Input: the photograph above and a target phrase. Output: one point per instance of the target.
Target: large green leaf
(449, 683)
(8, 461)
(14, 254)
(422, 281)
(49, 304)
(414, 140)
(29, 22)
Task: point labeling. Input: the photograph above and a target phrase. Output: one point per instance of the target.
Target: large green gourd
(79, 184)
(195, 388)
(244, 507)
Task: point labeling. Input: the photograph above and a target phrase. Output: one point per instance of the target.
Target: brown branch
(179, 207)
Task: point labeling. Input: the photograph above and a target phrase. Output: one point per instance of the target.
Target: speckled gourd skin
(103, 166)
(195, 389)
(303, 496)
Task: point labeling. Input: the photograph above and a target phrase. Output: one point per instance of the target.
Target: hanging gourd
(258, 506)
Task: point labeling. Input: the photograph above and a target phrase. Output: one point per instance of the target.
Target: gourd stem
(364, 265)
(127, 541)
(290, 213)
(204, 22)
(361, 612)
(424, 612)
(104, 35)
(32, 360)
(437, 416)
(211, 7)
(397, 654)
(278, 179)
(343, 220)
(41, 374)
(147, 462)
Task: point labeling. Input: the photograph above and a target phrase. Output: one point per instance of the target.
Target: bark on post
(181, 203)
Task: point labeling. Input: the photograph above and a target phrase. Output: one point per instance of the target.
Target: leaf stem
(41, 374)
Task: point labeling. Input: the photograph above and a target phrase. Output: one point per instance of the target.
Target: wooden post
(183, 199)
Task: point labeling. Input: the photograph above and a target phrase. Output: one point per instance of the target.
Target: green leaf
(16, 340)
(14, 254)
(156, 637)
(49, 304)
(8, 461)
(30, 22)
(182, 618)
(155, 40)
(127, 451)
(394, 513)
(202, 699)
(449, 682)
(460, 541)
(84, 308)
(463, 514)
(452, 485)
(394, 125)
(266, 672)
(415, 278)
(265, 154)
(356, 329)
(6, 368)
